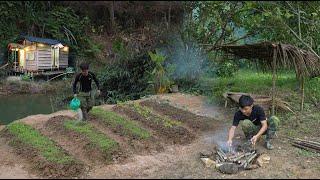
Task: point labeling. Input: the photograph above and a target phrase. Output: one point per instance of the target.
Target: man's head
(246, 104)
(84, 69)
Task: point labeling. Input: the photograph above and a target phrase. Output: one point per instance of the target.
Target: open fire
(233, 160)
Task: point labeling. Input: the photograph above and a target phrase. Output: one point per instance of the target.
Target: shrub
(126, 79)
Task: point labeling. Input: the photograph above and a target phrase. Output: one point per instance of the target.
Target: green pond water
(19, 106)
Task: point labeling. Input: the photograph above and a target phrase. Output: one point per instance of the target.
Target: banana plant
(160, 78)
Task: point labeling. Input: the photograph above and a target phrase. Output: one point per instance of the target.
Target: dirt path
(181, 161)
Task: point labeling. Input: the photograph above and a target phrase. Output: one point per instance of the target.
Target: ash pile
(233, 160)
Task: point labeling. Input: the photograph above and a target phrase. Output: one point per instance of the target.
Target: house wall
(31, 58)
(44, 57)
(41, 58)
(63, 58)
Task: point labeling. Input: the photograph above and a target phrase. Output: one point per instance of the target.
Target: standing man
(86, 95)
(253, 122)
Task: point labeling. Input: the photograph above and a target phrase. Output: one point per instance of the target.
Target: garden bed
(97, 146)
(46, 157)
(194, 121)
(169, 129)
(137, 137)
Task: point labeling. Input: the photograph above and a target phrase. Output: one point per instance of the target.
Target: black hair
(84, 66)
(245, 101)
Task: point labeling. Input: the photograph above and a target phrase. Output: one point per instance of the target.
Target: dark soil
(39, 164)
(92, 151)
(139, 146)
(194, 121)
(174, 134)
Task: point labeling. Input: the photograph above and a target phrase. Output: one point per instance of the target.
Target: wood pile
(231, 162)
(264, 101)
(306, 145)
(242, 159)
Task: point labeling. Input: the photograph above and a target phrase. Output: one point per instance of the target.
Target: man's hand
(98, 92)
(254, 139)
(75, 95)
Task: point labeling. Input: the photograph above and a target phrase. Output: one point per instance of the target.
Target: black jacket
(85, 82)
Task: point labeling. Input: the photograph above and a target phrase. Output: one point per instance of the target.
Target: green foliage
(48, 149)
(120, 49)
(305, 153)
(26, 77)
(312, 90)
(48, 20)
(247, 81)
(126, 79)
(226, 68)
(149, 115)
(106, 144)
(160, 78)
(222, 22)
(126, 126)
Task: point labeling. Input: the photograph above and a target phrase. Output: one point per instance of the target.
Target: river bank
(11, 87)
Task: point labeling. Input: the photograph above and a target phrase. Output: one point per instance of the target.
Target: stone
(208, 162)
(229, 168)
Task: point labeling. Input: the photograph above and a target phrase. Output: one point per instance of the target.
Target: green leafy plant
(26, 77)
(126, 126)
(150, 115)
(126, 79)
(160, 77)
(105, 143)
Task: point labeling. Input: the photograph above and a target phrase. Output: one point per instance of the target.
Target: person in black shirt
(86, 95)
(253, 122)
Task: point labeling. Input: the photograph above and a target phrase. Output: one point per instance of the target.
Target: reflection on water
(19, 106)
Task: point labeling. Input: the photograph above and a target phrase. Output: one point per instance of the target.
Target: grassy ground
(100, 140)
(127, 126)
(27, 135)
(287, 86)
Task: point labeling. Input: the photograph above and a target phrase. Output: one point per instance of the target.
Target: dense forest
(121, 34)
(166, 86)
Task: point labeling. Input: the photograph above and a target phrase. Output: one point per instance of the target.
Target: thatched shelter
(278, 56)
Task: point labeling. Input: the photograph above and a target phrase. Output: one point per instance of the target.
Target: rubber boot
(85, 114)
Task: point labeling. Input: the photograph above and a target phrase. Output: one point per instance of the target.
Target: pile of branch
(306, 145)
(264, 101)
(242, 159)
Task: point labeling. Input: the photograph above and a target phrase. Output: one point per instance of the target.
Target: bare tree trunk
(273, 80)
(302, 93)
(112, 21)
(169, 16)
(302, 77)
(43, 30)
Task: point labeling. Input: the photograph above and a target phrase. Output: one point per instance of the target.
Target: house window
(30, 56)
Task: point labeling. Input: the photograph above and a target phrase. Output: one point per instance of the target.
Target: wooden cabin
(37, 55)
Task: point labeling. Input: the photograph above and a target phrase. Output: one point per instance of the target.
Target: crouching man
(86, 94)
(253, 122)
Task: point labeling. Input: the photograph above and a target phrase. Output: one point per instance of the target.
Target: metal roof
(42, 40)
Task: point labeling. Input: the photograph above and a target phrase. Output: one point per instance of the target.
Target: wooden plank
(44, 52)
(43, 60)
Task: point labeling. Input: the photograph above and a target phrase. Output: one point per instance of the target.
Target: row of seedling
(170, 129)
(45, 155)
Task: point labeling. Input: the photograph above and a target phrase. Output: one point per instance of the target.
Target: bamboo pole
(302, 93)
(273, 80)
(302, 77)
